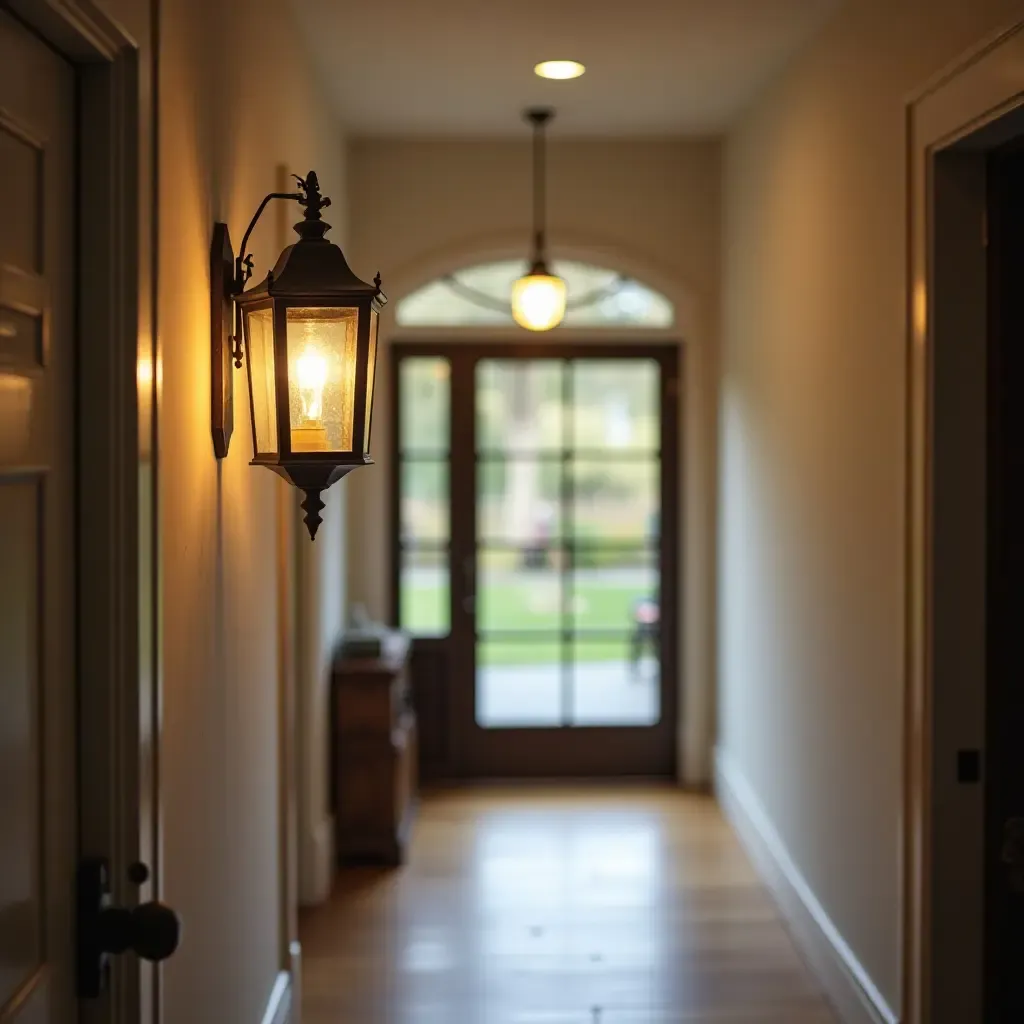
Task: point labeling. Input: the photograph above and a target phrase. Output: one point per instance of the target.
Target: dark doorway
(1004, 791)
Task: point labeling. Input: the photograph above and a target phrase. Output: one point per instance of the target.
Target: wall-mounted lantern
(308, 333)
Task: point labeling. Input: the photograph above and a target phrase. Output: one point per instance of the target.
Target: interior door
(1004, 780)
(538, 548)
(37, 689)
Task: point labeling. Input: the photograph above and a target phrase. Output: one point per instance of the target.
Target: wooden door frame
(619, 745)
(115, 453)
(951, 123)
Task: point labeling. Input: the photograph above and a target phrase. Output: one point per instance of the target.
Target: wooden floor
(534, 906)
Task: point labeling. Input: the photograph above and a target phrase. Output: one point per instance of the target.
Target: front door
(37, 668)
(538, 539)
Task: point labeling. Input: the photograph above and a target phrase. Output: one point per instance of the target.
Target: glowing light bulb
(559, 69)
(538, 301)
(311, 376)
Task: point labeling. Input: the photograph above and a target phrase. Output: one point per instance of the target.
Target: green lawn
(515, 604)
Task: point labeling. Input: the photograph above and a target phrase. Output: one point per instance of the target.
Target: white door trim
(977, 90)
(118, 676)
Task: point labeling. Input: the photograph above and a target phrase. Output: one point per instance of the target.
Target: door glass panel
(424, 405)
(424, 505)
(568, 471)
(519, 405)
(615, 681)
(516, 593)
(615, 500)
(563, 593)
(612, 589)
(425, 502)
(425, 606)
(519, 683)
(519, 503)
(615, 405)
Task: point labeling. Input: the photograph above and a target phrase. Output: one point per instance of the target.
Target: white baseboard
(295, 957)
(316, 858)
(844, 979)
(279, 1006)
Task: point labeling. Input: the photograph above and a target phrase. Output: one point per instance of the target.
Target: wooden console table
(374, 756)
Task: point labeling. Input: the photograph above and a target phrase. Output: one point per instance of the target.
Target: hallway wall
(649, 207)
(236, 99)
(811, 610)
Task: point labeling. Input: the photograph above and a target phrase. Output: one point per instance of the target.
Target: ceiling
(465, 67)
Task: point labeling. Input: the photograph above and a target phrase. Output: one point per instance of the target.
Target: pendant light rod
(539, 117)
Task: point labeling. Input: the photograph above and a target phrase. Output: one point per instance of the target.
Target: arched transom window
(480, 296)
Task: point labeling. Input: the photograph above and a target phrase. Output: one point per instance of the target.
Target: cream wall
(648, 207)
(235, 99)
(812, 474)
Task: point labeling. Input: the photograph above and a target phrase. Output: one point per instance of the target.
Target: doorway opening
(964, 925)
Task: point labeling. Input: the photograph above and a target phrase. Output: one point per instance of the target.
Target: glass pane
(613, 589)
(260, 336)
(616, 404)
(626, 302)
(481, 295)
(424, 404)
(519, 503)
(615, 682)
(425, 608)
(519, 405)
(519, 683)
(517, 592)
(321, 377)
(425, 503)
(371, 368)
(616, 501)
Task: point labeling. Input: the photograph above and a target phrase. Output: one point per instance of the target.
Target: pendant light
(538, 299)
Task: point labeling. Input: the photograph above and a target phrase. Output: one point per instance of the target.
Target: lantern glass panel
(262, 379)
(370, 366)
(321, 377)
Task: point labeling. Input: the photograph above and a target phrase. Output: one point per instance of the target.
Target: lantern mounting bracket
(229, 275)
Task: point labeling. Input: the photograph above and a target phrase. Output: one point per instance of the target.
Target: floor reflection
(569, 907)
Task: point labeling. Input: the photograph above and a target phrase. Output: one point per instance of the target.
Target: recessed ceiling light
(559, 69)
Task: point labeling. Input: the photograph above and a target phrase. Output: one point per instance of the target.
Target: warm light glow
(538, 301)
(311, 376)
(144, 373)
(560, 69)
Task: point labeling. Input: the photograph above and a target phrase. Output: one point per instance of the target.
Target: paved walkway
(602, 693)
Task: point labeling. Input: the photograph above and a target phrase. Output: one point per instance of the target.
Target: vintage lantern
(309, 331)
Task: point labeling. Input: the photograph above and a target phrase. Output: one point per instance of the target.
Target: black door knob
(152, 930)
(156, 931)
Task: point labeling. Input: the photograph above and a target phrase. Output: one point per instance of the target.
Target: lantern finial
(312, 505)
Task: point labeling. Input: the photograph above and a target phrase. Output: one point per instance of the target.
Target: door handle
(151, 930)
(1012, 853)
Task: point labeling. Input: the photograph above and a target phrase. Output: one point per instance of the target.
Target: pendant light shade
(538, 299)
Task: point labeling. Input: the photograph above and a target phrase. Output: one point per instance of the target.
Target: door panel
(22, 924)
(37, 695)
(560, 463)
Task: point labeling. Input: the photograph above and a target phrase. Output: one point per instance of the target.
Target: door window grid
(503, 646)
(562, 621)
